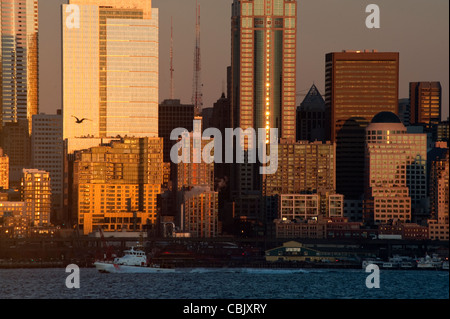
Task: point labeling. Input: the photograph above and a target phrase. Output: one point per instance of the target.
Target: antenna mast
(197, 96)
(172, 86)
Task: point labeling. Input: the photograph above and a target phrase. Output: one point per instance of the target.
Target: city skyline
(342, 28)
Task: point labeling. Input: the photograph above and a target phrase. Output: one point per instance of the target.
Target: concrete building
(4, 170)
(14, 221)
(311, 117)
(309, 206)
(36, 193)
(200, 213)
(426, 103)
(358, 85)
(439, 198)
(16, 143)
(116, 186)
(395, 170)
(47, 153)
(173, 114)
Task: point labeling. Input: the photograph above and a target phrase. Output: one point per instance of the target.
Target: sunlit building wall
(116, 186)
(4, 170)
(395, 170)
(36, 193)
(439, 199)
(19, 26)
(110, 69)
(426, 100)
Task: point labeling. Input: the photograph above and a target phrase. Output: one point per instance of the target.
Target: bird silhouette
(80, 121)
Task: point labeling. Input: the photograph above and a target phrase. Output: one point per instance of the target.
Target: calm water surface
(224, 284)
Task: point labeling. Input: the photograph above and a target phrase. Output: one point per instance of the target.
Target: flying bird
(80, 121)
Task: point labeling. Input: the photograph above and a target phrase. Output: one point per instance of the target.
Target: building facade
(4, 170)
(36, 193)
(311, 117)
(47, 153)
(396, 174)
(116, 186)
(201, 212)
(110, 69)
(426, 101)
(19, 26)
(358, 85)
(263, 65)
(439, 198)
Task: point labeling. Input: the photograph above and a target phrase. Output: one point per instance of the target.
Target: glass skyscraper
(110, 69)
(263, 62)
(19, 60)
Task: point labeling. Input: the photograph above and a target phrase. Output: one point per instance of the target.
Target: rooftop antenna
(172, 86)
(197, 96)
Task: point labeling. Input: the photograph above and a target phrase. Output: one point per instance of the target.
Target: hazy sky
(417, 29)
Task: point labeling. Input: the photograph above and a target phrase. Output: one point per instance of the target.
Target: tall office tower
(19, 25)
(200, 212)
(16, 144)
(110, 69)
(116, 186)
(311, 121)
(426, 100)
(173, 114)
(4, 170)
(395, 180)
(263, 85)
(358, 85)
(439, 198)
(263, 63)
(47, 153)
(36, 193)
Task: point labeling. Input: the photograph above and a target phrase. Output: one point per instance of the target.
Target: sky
(417, 29)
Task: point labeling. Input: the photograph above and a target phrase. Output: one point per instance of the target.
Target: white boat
(375, 261)
(445, 265)
(133, 261)
(429, 262)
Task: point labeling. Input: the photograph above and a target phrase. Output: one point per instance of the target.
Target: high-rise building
(426, 101)
(395, 173)
(110, 69)
(358, 85)
(311, 120)
(195, 171)
(116, 186)
(404, 111)
(36, 193)
(262, 87)
(439, 198)
(303, 168)
(4, 170)
(200, 215)
(19, 26)
(16, 143)
(442, 132)
(47, 153)
(172, 114)
(263, 63)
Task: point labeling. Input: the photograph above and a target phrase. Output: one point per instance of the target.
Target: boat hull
(114, 268)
